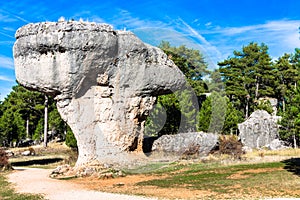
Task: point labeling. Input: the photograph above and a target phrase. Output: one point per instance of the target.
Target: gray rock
(105, 82)
(26, 153)
(259, 130)
(9, 153)
(276, 144)
(180, 143)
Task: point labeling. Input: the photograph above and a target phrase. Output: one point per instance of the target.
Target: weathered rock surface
(105, 82)
(259, 130)
(182, 143)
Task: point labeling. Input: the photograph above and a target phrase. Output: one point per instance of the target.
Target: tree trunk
(46, 121)
(295, 142)
(256, 88)
(247, 106)
(27, 127)
(283, 105)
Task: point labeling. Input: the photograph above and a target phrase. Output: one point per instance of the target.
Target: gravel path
(37, 181)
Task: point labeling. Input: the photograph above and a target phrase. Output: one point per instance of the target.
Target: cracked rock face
(105, 82)
(259, 130)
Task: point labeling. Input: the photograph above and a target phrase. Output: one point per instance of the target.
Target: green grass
(266, 179)
(7, 192)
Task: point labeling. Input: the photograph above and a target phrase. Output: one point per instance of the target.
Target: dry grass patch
(206, 181)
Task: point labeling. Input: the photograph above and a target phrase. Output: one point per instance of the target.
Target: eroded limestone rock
(180, 143)
(259, 130)
(105, 82)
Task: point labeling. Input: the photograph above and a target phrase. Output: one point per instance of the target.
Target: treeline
(211, 101)
(246, 81)
(22, 119)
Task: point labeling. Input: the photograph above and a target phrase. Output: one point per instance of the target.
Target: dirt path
(36, 181)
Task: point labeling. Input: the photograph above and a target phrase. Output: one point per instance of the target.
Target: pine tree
(248, 75)
(181, 107)
(290, 122)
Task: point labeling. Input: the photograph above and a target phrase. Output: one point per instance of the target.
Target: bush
(70, 139)
(4, 164)
(191, 152)
(229, 144)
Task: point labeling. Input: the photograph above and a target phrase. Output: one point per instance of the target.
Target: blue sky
(215, 27)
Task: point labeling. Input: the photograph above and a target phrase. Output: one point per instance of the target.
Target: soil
(37, 181)
(31, 180)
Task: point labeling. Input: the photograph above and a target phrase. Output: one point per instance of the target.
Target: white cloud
(9, 29)
(208, 24)
(7, 18)
(6, 62)
(5, 78)
(7, 35)
(126, 19)
(281, 36)
(10, 17)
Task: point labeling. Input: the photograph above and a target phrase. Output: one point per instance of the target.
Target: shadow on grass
(292, 165)
(36, 162)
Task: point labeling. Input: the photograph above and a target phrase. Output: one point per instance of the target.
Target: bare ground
(37, 181)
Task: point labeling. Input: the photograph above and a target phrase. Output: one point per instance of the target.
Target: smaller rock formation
(259, 130)
(181, 143)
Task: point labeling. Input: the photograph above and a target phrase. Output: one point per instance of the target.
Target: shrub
(4, 164)
(70, 139)
(32, 151)
(191, 152)
(229, 144)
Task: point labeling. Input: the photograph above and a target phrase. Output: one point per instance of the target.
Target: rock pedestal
(105, 82)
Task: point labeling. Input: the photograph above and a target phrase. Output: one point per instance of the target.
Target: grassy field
(257, 176)
(275, 179)
(260, 174)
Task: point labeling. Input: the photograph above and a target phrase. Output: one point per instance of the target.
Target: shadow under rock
(36, 162)
(292, 165)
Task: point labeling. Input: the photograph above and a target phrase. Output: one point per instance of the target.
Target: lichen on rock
(105, 82)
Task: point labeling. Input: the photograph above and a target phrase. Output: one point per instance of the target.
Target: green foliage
(232, 119)
(212, 114)
(204, 117)
(265, 105)
(156, 121)
(290, 122)
(56, 124)
(177, 112)
(190, 62)
(165, 117)
(22, 107)
(248, 75)
(39, 131)
(70, 139)
(218, 115)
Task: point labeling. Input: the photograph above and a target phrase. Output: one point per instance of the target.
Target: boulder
(105, 82)
(26, 153)
(184, 143)
(276, 144)
(9, 153)
(259, 130)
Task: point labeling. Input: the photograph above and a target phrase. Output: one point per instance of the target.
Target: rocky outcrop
(259, 130)
(185, 143)
(105, 82)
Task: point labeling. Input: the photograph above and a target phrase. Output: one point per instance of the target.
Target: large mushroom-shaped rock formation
(105, 82)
